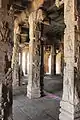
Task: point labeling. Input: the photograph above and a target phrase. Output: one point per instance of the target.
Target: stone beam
(23, 17)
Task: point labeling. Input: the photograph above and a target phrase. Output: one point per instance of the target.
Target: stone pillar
(52, 59)
(15, 57)
(33, 88)
(26, 62)
(70, 104)
(62, 57)
(5, 74)
(20, 59)
(0, 3)
(20, 67)
(42, 70)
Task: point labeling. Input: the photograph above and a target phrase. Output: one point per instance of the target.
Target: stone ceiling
(56, 27)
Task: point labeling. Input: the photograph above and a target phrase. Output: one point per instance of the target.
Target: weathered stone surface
(70, 100)
(15, 57)
(33, 89)
(5, 64)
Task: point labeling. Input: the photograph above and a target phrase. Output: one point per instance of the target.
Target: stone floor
(45, 108)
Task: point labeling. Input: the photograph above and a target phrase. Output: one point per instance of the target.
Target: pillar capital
(37, 16)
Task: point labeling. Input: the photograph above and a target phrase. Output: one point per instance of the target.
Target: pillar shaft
(26, 62)
(70, 104)
(42, 70)
(33, 88)
(15, 59)
(20, 68)
(62, 57)
(5, 77)
(52, 60)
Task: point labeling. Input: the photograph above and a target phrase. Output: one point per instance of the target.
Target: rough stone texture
(5, 64)
(70, 93)
(42, 70)
(33, 88)
(45, 108)
(15, 57)
(62, 57)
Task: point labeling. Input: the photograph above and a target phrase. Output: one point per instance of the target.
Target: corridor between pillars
(70, 104)
(33, 88)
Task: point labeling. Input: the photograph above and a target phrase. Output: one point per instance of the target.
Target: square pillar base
(33, 93)
(67, 111)
(77, 112)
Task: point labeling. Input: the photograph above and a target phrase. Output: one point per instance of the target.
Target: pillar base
(77, 112)
(67, 111)
(33, 93)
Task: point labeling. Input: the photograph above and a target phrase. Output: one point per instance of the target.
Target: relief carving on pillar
(7, 100)
(77, 70)
(4, 32)
(36, 56)
(70, 44)
(37, 50)
(69, 5)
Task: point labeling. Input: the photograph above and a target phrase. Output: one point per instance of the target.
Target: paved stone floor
(45, 108)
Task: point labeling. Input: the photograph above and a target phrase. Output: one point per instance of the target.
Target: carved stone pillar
(20, 67)
(15, 58)
(26, 62)
(33, 88)
(70, 104)
(42, 70)
(5, 64)
(62, 57)
(52, 60)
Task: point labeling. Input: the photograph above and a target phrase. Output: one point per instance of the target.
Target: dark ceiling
(56, 27)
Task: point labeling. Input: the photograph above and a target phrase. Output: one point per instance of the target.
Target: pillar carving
(15, 57)
(5, 66)
(70, 104)
(33, 88)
